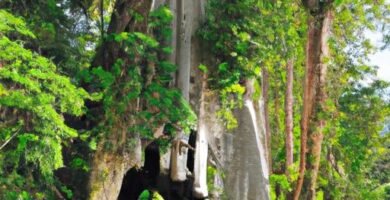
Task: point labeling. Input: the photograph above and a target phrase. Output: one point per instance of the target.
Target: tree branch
(9, 139)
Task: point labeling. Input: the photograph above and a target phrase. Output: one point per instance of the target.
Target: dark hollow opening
(149, 177)
(137, 180)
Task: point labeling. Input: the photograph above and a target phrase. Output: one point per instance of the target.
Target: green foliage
(10, 23)
(244, 37)
(356, 142)
(233, 48)
(280, 181)
(241, 37)
(32, 103)
(53, 23)
(143, 76)
(212, 173)
(356, 108)
(228, 27)
(68, 192)
(79, 163)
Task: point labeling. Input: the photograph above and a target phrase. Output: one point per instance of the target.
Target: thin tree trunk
(313, 102)
(276, 110)
(265, 87)
(307, 103)
(312, 49)
(200, 189)
(317, 136)
(200, 96)
(289, 116)
(183, 60)
(183, 36)
(173, 43)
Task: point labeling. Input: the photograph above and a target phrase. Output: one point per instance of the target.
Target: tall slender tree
(265, 93)
(312, 122)
(288, 103)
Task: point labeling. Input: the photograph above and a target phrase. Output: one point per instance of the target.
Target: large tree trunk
(314, 99)
(247, 169)
(108, 169)
(110, 164)
(289, 115)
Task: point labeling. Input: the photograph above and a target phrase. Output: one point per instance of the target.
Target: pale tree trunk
(210, 146)
(172, 57)
(289, 115)
(187, 57)
(183, 33)
(175, 159)
(157, 3)
(265, 93)
(193, 16)
(200, 165)
(184, 25)
(210, 143)
(178, 161)
(247, 170)
(314, 100)
(110, 164)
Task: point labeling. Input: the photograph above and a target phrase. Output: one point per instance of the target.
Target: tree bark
(314, 98)
(200, 165)
(192, 17)
(110, 164)
(264, 88)
(188, 18)
(183, 60)
(289, 115)
(316, 137)
(121, 20)
(183, 29)
(247, 169)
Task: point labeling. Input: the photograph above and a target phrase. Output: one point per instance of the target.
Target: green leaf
(338, 2)
(92, 144)
(203, 68)
(223, 67)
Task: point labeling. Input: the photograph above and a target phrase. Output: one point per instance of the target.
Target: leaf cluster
(33, 99)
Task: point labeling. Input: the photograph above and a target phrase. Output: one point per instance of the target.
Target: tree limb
(9, 139)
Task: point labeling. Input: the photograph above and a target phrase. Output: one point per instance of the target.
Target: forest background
(81, 82)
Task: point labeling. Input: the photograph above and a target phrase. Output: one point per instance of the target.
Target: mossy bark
(114, 156)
